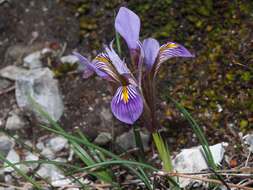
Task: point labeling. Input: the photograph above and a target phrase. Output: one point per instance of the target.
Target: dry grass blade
(7, 90)
(162, 173)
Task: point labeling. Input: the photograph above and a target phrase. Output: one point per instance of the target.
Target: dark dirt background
(219, 33)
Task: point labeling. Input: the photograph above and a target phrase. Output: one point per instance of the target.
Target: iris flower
(127, 103)
(127, 24)
(131, 95)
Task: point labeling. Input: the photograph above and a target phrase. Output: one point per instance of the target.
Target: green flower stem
(163, 152)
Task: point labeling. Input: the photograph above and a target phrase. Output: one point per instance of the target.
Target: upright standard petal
(127, 104)
(116, 61)
(151, 49)
(90, 67)
(127, 24)
(170, 50)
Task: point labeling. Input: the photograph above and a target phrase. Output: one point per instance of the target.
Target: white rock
(12, 72)
(40, 145)
(23, 168)
(57, 143)
(32, 57)
(30, 157)
(69, 59)
(14, 122)
(103, 138)
(43, 88)
(71, 154)
(8, 179)
(192, 160)
(32, 60)
(45, 170)
(13, 157)
(248, 139)
(48, 153)
(47, 50)
(6, 144)
(50, 172)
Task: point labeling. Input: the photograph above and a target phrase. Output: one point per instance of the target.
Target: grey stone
(14, 122)
(192, 160)
(19, 50)
(57, 143)
(4, 83)
(6, 144)
(43, 88)
(103, 138)
(248, 139)
(30, 157)
(13, 157)
(50, 172)
(69, 59)
(13, 72)
(32, 61)
(127, 140)
(8, 179)
(48, 153)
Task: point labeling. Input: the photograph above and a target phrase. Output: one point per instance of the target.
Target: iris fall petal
(127, 104)
(90, 67)
(171, 50)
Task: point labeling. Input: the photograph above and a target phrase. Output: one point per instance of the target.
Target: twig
(62, 50)
(248, 183)
(246, 163)
(220, 178)
(7, 90)
(8, 185)
(248, 170)
(162, 173)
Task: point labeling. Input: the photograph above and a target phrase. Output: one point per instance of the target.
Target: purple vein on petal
(127, 104)
(90, 67)
(171, 50)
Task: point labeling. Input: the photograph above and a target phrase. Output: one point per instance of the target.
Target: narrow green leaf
(20, 172)
(139, 145)
(198, 132)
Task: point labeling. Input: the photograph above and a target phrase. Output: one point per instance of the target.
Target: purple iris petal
(127, 104)
(151, 49)
(171, 50)
(90, 67)
(127, 24)
(103, 63)
(116, 61)
(87, 73)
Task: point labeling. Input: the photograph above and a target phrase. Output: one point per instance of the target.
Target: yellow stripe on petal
(102, 59)
(125, 94)
(167, 47)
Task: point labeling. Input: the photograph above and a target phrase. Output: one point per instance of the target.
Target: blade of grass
(72, 138)
(198, 132)
(139, 144)
(20, 172)
(130, 157)
(102, 150)
(31, 149)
